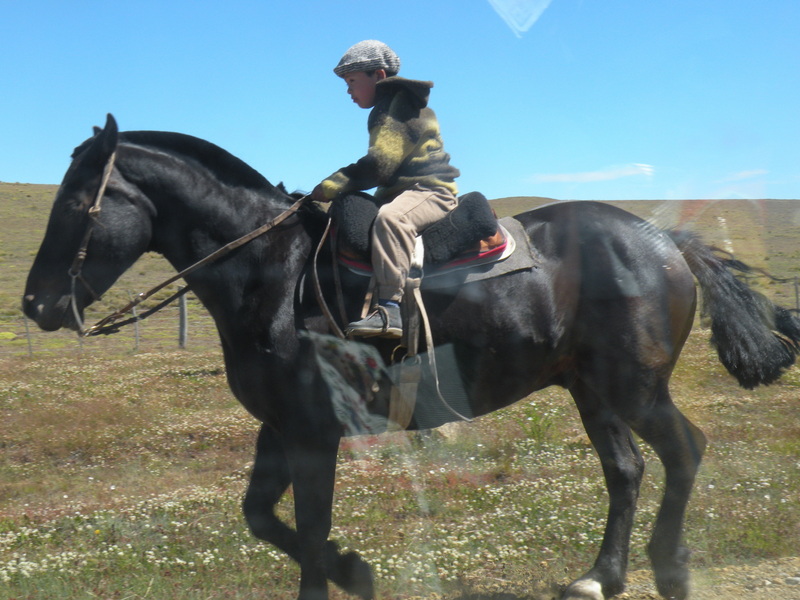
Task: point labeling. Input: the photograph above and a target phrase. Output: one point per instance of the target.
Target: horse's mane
(224, 165)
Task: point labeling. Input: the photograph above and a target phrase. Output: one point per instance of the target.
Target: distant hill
(24, 212)
(762, 232)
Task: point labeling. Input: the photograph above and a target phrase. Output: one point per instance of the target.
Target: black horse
(604, 314)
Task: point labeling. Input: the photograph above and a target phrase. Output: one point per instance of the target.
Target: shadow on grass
(495, 596)
(504, 596)
(542, 592)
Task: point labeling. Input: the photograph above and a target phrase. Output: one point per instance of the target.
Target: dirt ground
(769, 580)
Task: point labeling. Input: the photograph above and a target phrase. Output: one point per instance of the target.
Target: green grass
(122, 478)
(121, 472)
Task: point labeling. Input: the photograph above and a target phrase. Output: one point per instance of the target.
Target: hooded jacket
(405, 146)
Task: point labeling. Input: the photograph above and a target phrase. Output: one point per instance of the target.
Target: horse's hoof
(584, 589)
(672, 580)
(354, 575)
(674, 588)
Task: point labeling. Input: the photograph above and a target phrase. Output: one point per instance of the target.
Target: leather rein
(112, 323)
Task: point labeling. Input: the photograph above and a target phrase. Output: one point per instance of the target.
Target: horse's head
(98, 227)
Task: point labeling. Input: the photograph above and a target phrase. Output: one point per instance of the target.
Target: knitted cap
(369, 55)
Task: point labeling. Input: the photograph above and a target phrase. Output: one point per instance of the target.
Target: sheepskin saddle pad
(469, 235)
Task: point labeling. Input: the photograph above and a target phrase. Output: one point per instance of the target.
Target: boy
(406, 161)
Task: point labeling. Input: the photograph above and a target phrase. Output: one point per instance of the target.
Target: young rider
(407, 163)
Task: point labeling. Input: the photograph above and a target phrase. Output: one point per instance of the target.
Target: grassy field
(24, 209)
(121, 472)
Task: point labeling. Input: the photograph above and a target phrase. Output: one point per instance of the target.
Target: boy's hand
(318, 195)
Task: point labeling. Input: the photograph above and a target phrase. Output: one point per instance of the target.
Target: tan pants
(394, 232)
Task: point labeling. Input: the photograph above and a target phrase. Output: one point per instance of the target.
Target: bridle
(112, 323)
(75, 270)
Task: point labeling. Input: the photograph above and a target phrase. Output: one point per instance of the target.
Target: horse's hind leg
(623, 467)
(269, 480)
(680, 446)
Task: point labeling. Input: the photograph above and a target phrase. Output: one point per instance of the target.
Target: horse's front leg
(312, 464)
(269, 480)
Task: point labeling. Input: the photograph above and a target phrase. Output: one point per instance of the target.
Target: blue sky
(617, 99)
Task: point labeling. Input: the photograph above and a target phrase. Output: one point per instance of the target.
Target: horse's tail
(755, 339)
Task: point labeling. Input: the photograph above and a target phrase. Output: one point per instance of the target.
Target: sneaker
(384, 321)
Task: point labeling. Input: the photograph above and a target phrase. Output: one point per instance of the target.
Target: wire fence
(183, 324)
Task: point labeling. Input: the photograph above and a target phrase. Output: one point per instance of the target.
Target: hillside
(762, 233)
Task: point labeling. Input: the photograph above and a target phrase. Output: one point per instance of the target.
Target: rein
(109, 324)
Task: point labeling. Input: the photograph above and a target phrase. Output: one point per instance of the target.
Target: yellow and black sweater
(405, 145)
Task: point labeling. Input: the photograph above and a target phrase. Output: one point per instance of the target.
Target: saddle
(469, 235)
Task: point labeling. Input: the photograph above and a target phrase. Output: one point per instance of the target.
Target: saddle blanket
(518, 256)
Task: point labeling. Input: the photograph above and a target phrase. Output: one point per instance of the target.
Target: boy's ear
(380, 74)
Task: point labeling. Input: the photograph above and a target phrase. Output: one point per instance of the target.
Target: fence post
(28, 336)
(134, 313)
(183, 322)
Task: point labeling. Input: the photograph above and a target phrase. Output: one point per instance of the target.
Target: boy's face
(361, 86)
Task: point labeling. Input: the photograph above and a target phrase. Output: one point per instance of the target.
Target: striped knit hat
(369, 55)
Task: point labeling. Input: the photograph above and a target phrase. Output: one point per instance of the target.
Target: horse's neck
(210, 216)
(196, 214)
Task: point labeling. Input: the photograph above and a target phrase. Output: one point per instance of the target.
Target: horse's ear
(110, 131)
(103, 144)
(111, 124)
(96, 130)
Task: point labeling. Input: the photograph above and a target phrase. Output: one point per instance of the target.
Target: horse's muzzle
(49, 316)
